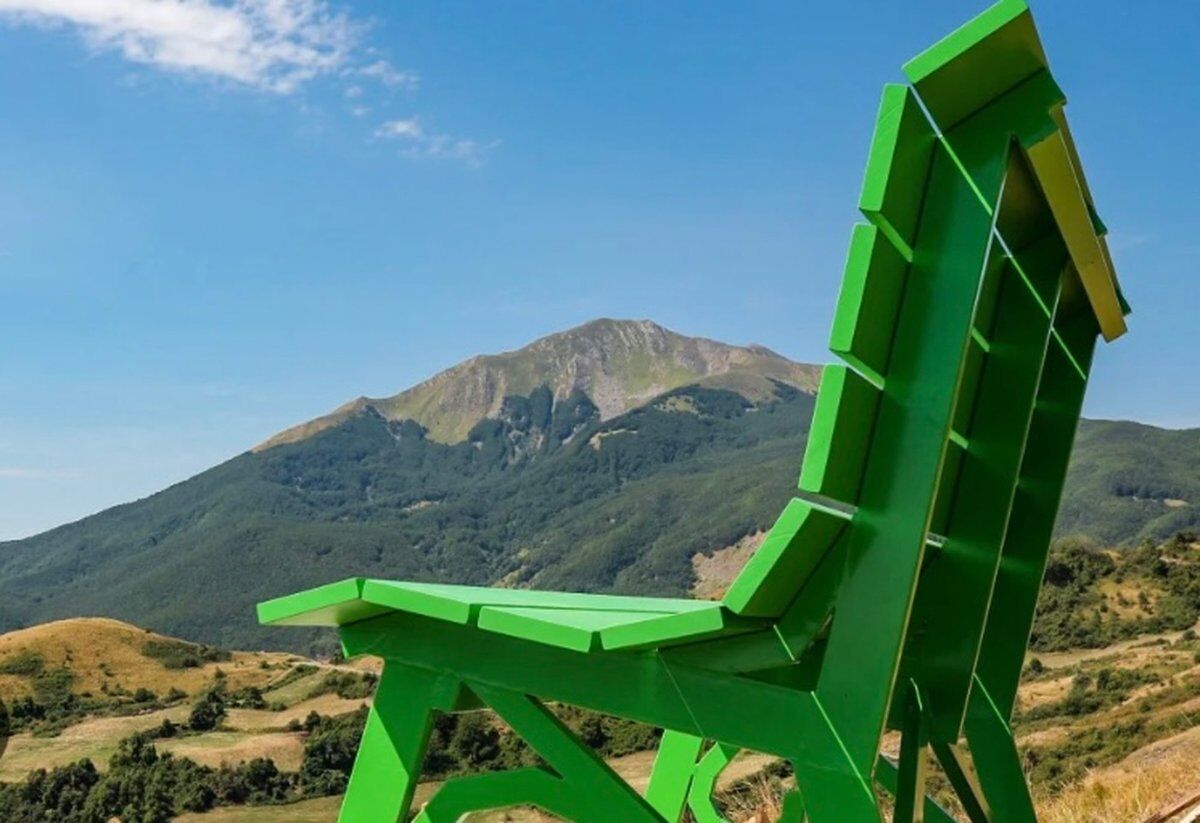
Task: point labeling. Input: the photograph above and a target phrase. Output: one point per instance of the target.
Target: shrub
(208, 712)
(25, 663)
(179, 654)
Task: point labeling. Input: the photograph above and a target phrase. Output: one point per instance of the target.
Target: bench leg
(888, 775)
(520, 787)
(393, 744)
(910, 779)
(578, 785)
(828, 796)
(704, 782)
(961, 774)
(671, 778)
(997, 760)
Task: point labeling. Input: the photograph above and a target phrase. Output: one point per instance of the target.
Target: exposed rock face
(618, 364)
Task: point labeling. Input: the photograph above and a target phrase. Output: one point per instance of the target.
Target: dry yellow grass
(107, 654)
(321, 810)
(1149, 781)
(1121, 651)
(329, 705)
(233, 747)
(95, 738)
(102, 652)
(248, 734)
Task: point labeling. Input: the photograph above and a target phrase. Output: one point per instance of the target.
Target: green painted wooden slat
(574, 629)
(864, 321)
(842, 424)
(897, 167)
(408, 598)
(669, 629)
(476, 597)
(978, 62)
(583, 630)
(333, 604)
(801, 536)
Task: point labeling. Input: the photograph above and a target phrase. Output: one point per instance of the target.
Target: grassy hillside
(106, 656)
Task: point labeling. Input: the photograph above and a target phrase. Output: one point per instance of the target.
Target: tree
(208, 712)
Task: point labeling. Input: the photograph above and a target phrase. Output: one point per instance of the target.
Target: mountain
(618, 364)
(559, 486)
(615, 457)
(1129, 480)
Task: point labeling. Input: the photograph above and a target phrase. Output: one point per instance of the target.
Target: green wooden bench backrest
(969, 310)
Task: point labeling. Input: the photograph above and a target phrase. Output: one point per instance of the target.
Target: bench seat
(579, 622)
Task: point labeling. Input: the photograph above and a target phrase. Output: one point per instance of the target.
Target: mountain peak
(619, 364)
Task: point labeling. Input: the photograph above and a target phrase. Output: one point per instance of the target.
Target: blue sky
(216, 220)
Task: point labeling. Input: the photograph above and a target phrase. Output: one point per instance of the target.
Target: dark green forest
(545, 495)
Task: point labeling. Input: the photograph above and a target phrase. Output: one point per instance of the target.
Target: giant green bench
(897, 590)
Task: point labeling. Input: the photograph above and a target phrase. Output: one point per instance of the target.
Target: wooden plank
(897, 167)
(574, 629)
(977, 62)
(864, 321)
(840, 435)
(334, 604)
(474, 598)
(801, 536)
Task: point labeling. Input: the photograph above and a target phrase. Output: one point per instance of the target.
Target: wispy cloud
(418, 143)
(389, 75)
(274, 45)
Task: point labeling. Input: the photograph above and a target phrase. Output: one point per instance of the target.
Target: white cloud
(275, 45)
(420, 144)
(410, 128)
(389, 75)
(270, 45)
